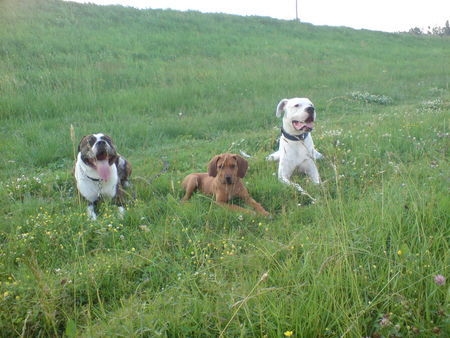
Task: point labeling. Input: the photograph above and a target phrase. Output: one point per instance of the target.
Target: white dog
(100, 171)
(296, 151)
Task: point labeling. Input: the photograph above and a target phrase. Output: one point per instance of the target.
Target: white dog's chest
(92, 188)
(295, 151)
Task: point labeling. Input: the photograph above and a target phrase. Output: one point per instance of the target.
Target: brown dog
(223, 180)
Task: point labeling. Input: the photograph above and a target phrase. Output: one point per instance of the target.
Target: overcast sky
(382, 15)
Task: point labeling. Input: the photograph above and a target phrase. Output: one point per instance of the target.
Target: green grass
(184, 87)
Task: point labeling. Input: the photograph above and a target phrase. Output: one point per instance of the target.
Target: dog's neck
(94, 179)
(228, 188)
(228, 185)
(84, 168)
(87, 171)
(291, 137)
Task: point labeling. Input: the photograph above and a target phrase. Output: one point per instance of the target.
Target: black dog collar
(294, 137)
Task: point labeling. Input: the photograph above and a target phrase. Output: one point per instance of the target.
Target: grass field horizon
(182, 87)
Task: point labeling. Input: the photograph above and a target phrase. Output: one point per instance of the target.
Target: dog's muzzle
(306, 126)
(228, 180)
(102, 150)
(310, 110)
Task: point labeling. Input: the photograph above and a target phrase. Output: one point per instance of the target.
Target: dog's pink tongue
(300, 125)
(297, 125)
(103, 170)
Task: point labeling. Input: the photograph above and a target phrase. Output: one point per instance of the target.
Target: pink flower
(439, 279)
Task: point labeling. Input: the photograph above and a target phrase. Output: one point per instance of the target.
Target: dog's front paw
(91, 213)
(121, 212)
(298, 187)
(265, 213)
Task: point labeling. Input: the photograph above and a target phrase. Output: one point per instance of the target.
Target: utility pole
(296, 10)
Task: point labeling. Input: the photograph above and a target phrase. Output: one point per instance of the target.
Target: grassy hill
(183, 87)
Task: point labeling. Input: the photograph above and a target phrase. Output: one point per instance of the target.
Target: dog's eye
(297, 105)
(92, 140)
(107, 139)
(232, 166)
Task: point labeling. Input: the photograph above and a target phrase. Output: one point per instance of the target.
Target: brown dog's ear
(242, 166)
(212, 166)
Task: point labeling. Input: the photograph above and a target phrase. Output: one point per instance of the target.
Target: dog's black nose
(310, 110)
(101, 145)
(228, 179)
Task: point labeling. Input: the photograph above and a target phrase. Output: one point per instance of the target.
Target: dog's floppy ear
(212, 166)
(83, 140)
(242, 166)
(113, 158)
(280, 107)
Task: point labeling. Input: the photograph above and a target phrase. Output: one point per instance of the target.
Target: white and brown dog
(100, 172)
(296, 151)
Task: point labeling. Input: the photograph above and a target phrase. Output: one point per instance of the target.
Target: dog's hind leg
(119, 200)
(190, 184)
